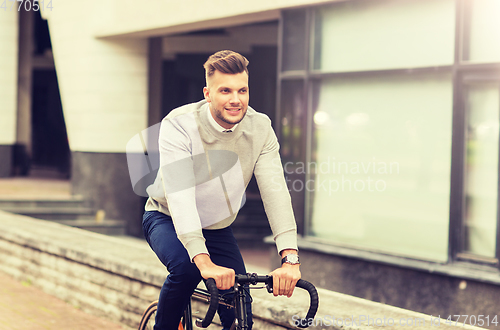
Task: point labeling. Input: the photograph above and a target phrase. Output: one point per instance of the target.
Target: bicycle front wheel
(148, 317)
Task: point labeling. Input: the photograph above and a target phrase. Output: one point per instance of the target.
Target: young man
(208, 153)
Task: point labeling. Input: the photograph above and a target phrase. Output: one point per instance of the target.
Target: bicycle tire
(148, 317)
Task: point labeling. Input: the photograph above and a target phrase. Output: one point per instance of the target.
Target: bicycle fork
(241, 308)
(188, 314)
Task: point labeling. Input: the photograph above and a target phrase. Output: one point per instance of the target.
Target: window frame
(467, 75)
(459, 263)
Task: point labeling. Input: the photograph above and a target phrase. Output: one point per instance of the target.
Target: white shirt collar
(216, 125)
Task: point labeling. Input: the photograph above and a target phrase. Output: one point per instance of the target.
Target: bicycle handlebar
(214, 303)
(313, 304)
(254, 279)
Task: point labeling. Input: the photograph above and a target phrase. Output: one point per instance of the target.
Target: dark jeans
(184, 275)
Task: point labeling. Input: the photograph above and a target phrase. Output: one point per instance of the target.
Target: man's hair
(225, 61)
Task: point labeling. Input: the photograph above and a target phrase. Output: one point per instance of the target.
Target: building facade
(387, 113)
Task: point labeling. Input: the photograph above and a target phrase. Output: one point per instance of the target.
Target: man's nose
(235, 98)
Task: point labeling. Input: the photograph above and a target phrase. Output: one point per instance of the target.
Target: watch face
(291, 259)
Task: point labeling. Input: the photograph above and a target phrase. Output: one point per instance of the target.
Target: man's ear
(206, 93)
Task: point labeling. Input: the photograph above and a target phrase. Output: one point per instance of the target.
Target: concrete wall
(103, 179)
(116, 278)
(104, 89)
(6, 153)
(166, 17)
(25, 84)
(103, 83)
(8, 87)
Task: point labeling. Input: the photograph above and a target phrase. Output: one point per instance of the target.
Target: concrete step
(12, 202)
(52, 213)
(73, 211)
(61, 208)
(106, 227)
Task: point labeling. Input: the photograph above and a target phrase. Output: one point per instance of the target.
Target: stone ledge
(125, 257)
(117, 277)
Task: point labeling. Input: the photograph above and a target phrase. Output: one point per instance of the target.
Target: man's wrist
(290, 266)
(286, 252)
(202, 260)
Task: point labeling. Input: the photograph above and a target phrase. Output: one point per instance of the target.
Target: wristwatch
(291, 258)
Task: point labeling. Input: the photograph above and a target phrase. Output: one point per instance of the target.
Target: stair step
(106, 227)
(72, 211)
(42, 202)
(52, 213)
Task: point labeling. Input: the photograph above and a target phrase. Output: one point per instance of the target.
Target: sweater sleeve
(275, 195)
(178, 178)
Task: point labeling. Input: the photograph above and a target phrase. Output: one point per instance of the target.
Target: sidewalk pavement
(23, 307)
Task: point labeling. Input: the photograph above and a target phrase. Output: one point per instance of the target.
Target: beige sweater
(204, 173)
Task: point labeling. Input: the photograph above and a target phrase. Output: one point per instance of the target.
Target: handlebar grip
(213, 305)
(314, 303)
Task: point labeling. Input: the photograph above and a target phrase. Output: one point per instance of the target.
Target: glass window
(385, 34)
(293, 143)
(481, 187)
(483, 35)
(293, 121)
(294, 40)
(382, 158)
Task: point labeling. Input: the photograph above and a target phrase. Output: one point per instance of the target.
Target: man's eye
(243, 91)
(225, 91)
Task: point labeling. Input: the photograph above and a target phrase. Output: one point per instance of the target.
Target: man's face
(227, 95)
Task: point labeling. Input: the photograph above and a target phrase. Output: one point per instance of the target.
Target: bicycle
(237, 302)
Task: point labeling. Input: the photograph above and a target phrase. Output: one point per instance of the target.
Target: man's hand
(224, 277)
(286, 277)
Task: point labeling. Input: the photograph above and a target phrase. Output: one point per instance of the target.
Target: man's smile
(233, 111)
